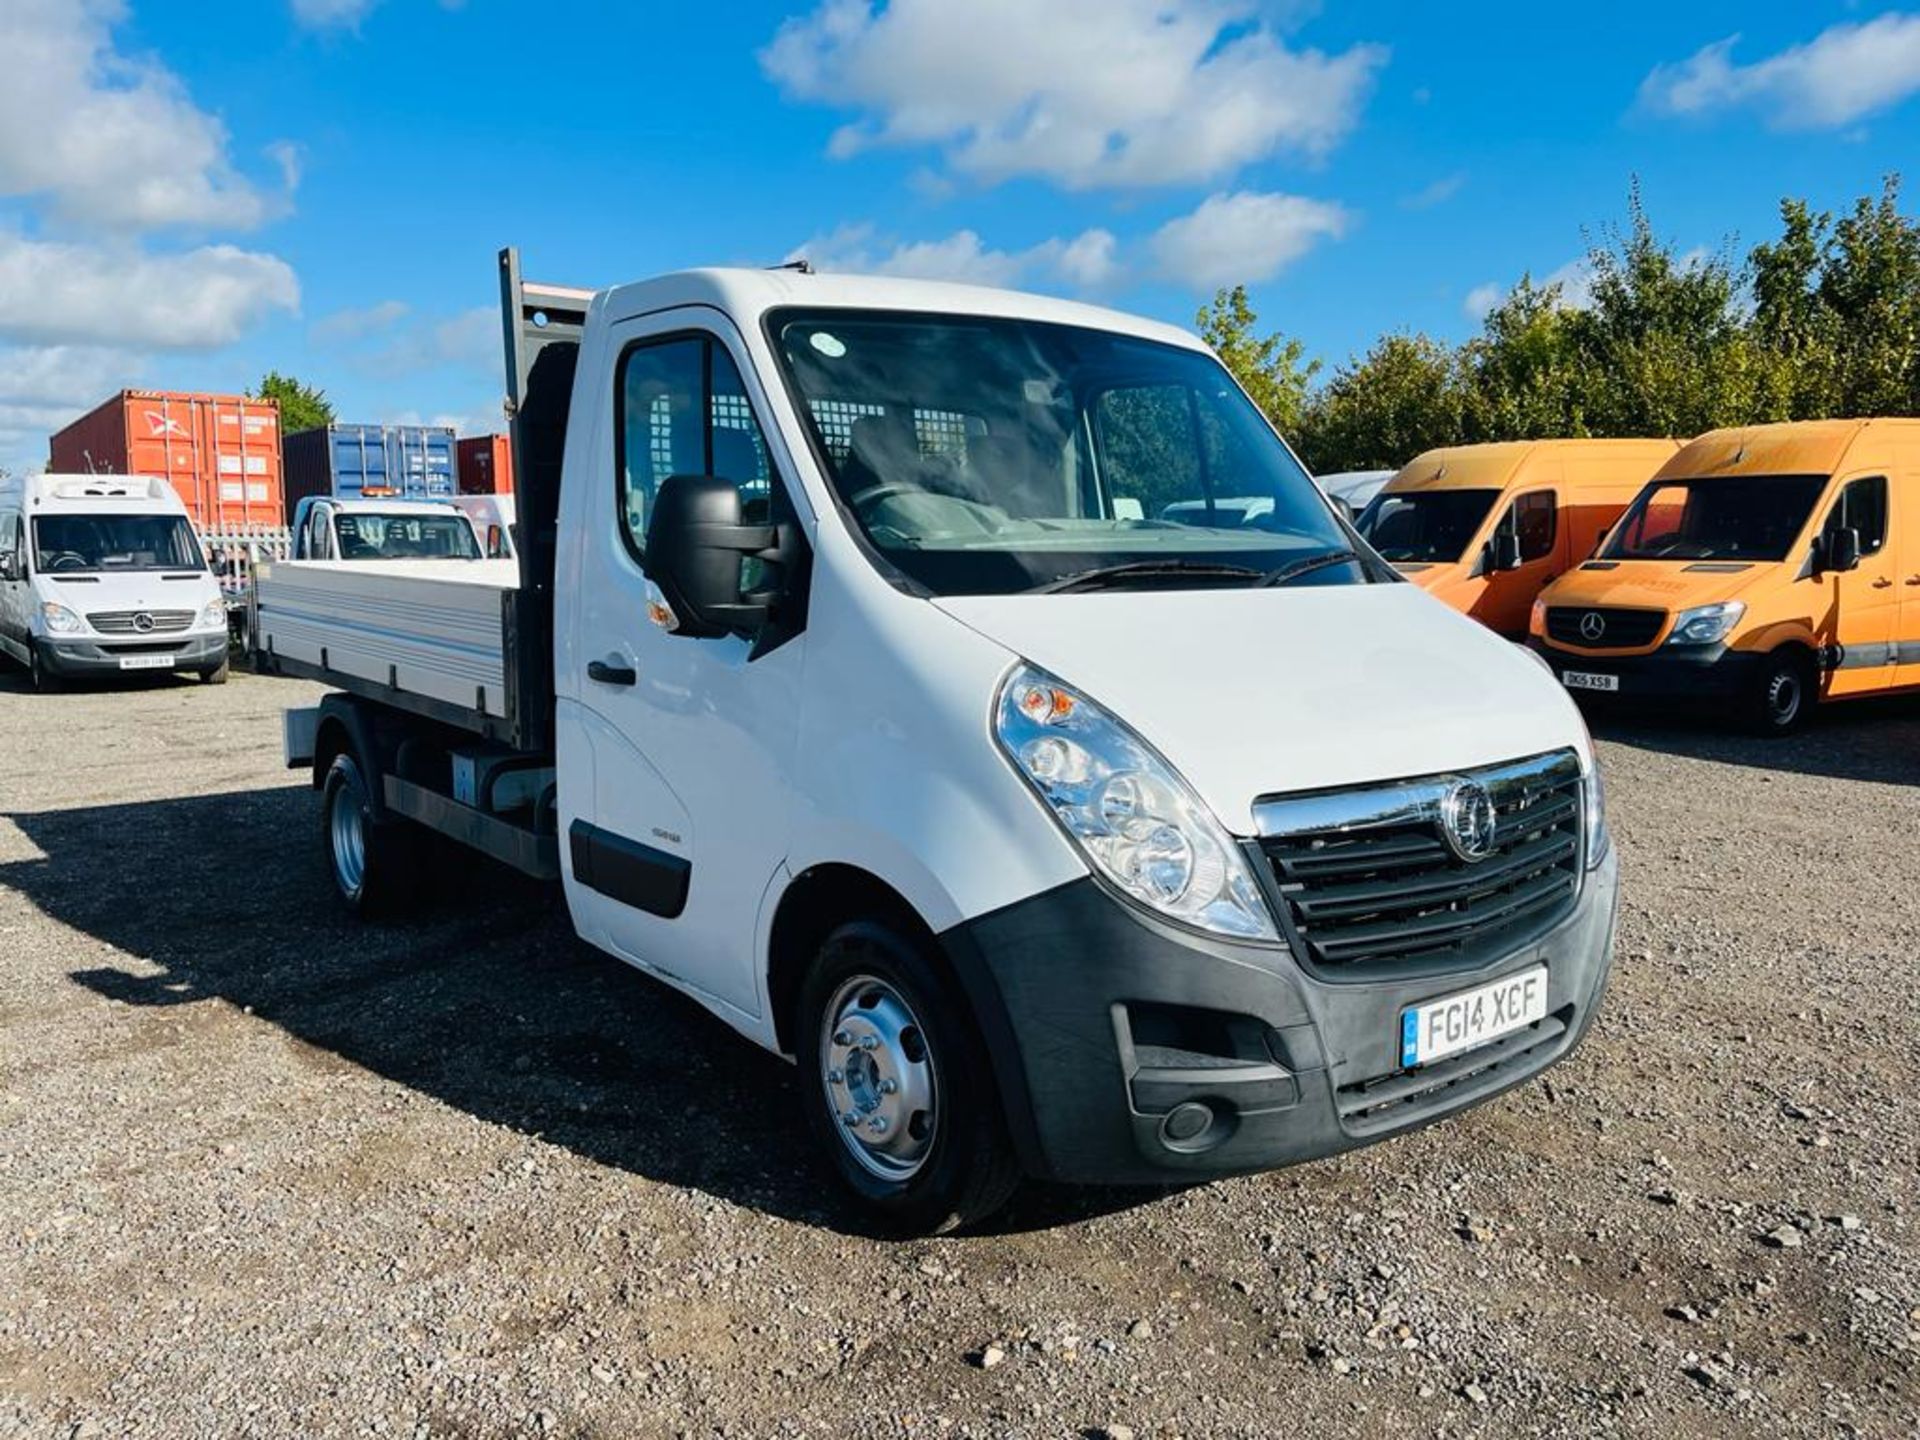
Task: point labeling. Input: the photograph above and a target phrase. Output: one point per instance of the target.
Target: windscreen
(405, 537)
(80, 543)
(1432, 527)
(1738, 517)
(991, 456)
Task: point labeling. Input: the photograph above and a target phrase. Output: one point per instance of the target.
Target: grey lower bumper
(103, 657)
(1103, 1023)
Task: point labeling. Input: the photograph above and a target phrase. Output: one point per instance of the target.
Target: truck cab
(854, 682)
(1762, 570)
(1485, 528)
(383, 529)
(104, 575)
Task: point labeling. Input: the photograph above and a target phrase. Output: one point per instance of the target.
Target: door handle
(608, 673)
(1881, 582)
(1913, 579)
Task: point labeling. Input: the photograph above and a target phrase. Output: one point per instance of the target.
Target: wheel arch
(815, 903)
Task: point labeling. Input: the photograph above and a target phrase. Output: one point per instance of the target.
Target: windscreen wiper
(1287, 574)
(1104, 576)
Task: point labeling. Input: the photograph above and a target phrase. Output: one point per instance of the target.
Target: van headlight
(1707, 624)
(213, 614)
(1131, 815)
(1593, 814)
(59, 620)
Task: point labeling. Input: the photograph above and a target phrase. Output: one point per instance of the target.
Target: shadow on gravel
(1875, 740)
(487, 1003)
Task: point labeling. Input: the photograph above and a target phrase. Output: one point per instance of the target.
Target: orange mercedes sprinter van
(1768, 567)
(1486, 527)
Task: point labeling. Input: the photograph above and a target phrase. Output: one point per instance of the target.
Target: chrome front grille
(1372, 887)
(128, 622)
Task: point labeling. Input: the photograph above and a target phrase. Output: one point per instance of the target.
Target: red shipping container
(220, 452)
(484, 464)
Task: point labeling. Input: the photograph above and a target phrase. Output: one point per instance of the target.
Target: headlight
(1132, 816)
(59, 619)
(1707, 624)
(1537, 622)
(1593, 811)
(213, 613)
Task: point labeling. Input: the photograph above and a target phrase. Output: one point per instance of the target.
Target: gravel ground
(265, 1172)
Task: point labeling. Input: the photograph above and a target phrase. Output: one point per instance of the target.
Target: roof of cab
(747, 295)
(83, 493)
(1795, 447)
(1494, 466)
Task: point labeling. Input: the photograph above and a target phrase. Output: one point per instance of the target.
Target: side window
(1532, 518)
(1862, 506)
(684, 411)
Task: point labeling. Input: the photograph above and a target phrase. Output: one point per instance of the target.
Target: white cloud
(1438, 193)
(331, 14)
(1482, 298)
(118, 295)
(1244, 237)
(1086, 262)
(1082, 92)
(42, 388)
(105, 138)
(1844, 73)
(357, 324)
(1575, 279)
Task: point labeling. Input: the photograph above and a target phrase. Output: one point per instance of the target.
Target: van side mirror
(1838, 550)
(695, 543)
(1500, 553)
(10, 567)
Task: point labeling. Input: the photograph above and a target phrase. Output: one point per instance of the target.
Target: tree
(1523, 372)
(1270, 369)
(1870, 288)
(1379, 412)
(302, 407)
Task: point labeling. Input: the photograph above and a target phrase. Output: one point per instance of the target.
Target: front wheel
(897, 1086)
(374, 862)
(1783, 694)
(38, 675)
(218, 675)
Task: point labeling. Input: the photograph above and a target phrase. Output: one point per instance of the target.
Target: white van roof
(79, 494)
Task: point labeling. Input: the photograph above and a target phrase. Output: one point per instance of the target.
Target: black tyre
(217, 675)
(1784, 694)
(897, 1086)
(374, 863)
(41, 678)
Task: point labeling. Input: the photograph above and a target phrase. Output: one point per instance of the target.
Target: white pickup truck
(850, 681)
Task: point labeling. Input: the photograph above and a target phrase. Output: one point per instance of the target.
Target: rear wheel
(897, 1085)
(1783, 694)
(373, 861)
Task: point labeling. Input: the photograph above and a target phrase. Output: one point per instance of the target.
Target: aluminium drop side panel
(429, 629)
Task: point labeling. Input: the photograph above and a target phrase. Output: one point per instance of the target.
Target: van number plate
(146, 662)
(1587, 680)
(1453, 1023)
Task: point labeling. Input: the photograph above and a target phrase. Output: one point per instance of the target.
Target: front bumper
(85, 655)
(1103, 1023)
(1686, 674)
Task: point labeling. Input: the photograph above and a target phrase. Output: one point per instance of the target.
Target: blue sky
(192, 193)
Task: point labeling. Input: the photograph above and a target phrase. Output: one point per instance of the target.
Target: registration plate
(1588, 680)
(1453, 1023)
(146, 662)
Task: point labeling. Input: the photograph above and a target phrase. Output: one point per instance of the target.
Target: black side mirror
(1839, 550)
(1503, 551)
(9, 568)
(695, 543)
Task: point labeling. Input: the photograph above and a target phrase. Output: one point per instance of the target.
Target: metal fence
(234, 550)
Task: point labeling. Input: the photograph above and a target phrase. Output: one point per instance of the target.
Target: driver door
(1506, 602)
(691, 740)
(1855, 610)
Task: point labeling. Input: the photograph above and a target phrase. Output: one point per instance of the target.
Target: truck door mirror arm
(695, 543)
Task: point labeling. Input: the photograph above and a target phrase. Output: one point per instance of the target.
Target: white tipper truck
(885, 667)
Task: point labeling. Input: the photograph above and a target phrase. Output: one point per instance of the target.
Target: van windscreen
(74, 543)
(1428, 527)
(1732, 517)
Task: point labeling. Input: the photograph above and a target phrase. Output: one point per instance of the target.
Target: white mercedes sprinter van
(103, 574)
(853, 681)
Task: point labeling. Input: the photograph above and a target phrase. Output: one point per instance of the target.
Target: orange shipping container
(484, 464)
(220, 452)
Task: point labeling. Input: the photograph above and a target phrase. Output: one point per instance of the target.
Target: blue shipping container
(414, 462)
